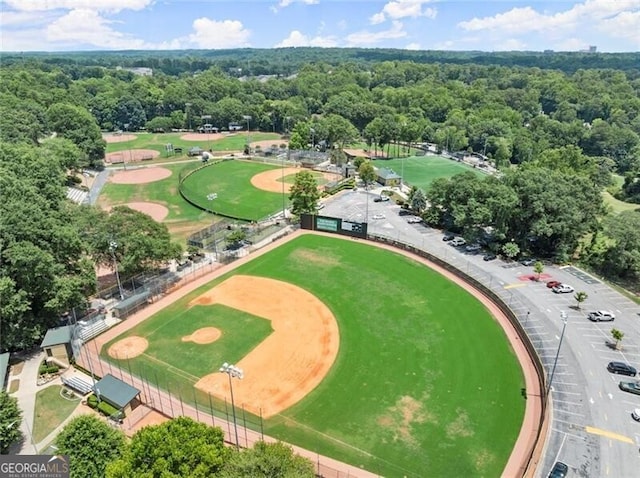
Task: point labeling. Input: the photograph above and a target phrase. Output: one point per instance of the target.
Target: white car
(601, 316)
(473, 248)
(414, 220)
(636, 414)
(563, 289)
(457, 242)
(378, 216)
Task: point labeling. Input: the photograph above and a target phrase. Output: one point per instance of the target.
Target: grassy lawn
(618, 206)
(158, 141)
(421, 171)
(424, 383)
(231, 181)
(50, 411)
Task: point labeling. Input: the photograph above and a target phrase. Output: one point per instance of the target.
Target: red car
(553, 283)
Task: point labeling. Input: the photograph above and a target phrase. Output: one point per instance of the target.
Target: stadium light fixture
(233, 372)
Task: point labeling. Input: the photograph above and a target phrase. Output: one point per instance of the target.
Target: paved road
(591, 429)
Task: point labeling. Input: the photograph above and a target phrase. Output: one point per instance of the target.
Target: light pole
(213, 197)
(563, 316)
(313, 138)
(188, 107)
(235, 372)
(284, 214)
(113, 245)
(124, 161)
(248, 118)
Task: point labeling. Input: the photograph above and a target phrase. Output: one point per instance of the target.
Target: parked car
(405, 212)
(553, 283)
(457, 242)
(489, 256)
(636, 414)
(448, 237)
(559, 470)
(414, 220)
(621, 368)
(631, 387)
(378, 216)
(527, 261)
(381, 199)
(563, 289)
(601, 316)
(473, 248)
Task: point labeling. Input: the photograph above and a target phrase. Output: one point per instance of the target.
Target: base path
(140, 176)
(290, 362)
(272, 180)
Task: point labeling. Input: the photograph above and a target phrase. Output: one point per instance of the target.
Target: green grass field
(231, 181)
(158, 141)
(424, 383)
(421, 171)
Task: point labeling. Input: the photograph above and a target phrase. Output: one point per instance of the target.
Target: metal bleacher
(93, 329)
(78, 384)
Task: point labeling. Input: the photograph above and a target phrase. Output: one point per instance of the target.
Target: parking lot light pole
(213, 197)
(563, 315)
(235, 372)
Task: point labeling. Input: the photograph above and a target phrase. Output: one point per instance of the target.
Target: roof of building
(4, 363)
(57, 336)
(115, 391)
(385, 173)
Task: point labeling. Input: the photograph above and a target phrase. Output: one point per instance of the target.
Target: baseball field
(357, 352)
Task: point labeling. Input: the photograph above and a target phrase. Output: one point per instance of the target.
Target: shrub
(107, 409)
(48, 368)
(92, 401)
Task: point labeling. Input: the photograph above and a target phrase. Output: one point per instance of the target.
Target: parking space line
(568, 384)
(569, 413)
(555, 400)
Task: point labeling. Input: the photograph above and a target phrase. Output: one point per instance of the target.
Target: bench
(78, 384)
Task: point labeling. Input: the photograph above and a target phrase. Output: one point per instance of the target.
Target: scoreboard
(333, 224)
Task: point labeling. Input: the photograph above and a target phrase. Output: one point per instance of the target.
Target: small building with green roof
(57, 345)
(117, 393)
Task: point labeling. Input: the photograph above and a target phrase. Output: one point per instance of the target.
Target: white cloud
(370, 38)
(297, 38)
(412, 46)
(84, 26)
(511, 44)
(526, 19)
(213, 34)
(9, 19)
(398, 9)
(285, 3)
(625, 25)
(98, 5)
(569, 44)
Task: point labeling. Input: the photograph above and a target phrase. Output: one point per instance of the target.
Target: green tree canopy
(304, 194)
(10, 418)
(268, 460)
(91, 445)
(180, 447)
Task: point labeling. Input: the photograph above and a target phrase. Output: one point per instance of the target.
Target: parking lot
(592, 429)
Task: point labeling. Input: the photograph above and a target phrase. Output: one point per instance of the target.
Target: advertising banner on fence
(333, 224)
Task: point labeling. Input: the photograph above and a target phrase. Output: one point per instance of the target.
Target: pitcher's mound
(140, 176)
(128, 348)
(206, 335)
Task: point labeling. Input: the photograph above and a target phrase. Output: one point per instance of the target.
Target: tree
(367, 173)
(580, 297)
(236, 236)
(91, 445)
(268, 460)
(617, 336)
(180, 447)
(10, 418)
(622, 256)
(418, 201)
(511, 250)
(304, 194)
(538, 268)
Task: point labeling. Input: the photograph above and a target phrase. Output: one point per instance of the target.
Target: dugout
(117, 393)
(131, 304)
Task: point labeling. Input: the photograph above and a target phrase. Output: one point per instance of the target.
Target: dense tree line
(49, 247)
(178, 448)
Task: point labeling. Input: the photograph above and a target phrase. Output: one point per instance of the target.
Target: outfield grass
(158, 141)
(231, 181)
(424, 384)
(421, 171)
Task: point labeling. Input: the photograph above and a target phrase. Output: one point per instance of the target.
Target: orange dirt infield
(203, 136)
(131, 155)
(157, 211)
(128, 348)
(267, 143)
(289, 363)
(140, 176)
(272, 180)
(118, 138)
(205, 335)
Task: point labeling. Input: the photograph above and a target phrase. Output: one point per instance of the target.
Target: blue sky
(72, 25)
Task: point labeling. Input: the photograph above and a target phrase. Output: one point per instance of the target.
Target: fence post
(213, 420)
